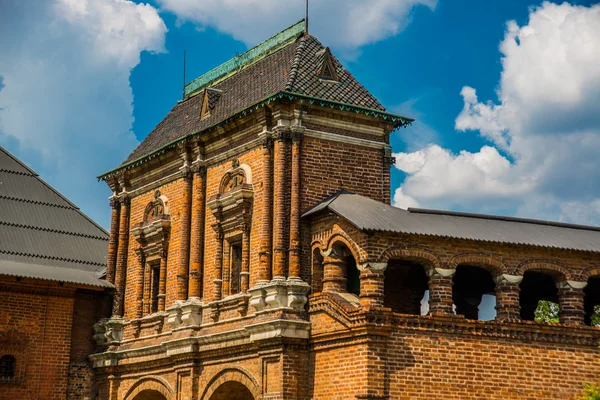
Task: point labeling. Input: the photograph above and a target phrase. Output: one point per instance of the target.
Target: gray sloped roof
(42, 234)
(370, 215)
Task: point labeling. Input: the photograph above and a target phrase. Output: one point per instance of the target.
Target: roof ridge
(266, 47)
(295, 64)
(51, 258)
(503, 218)
(44, 203)
(84, 235)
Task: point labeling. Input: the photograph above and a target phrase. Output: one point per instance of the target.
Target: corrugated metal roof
(41, 228)
(13, 268)
(370, 215)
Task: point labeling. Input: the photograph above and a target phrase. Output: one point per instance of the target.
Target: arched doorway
(232, 391)
(149, 394)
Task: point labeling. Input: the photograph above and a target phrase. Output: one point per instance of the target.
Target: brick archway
(150, 388)
(548, 267)
(416, 254)
(232, 381)
(492, 264)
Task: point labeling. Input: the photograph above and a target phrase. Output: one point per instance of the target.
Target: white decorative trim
(509, 278)
(572, 284)
(445, 272)
(332, 137)
(381, 266)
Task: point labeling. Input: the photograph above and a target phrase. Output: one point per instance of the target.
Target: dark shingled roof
(370, 215)
(42, 234)
(289, 65)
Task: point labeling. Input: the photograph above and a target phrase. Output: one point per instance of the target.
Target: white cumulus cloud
(66, 104)
(347, 24)
(546, 121)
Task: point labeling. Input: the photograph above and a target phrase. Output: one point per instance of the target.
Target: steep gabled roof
(285, 65)
(42, 234)
(370, 215)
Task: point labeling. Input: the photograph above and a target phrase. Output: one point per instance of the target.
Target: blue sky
(507, 118)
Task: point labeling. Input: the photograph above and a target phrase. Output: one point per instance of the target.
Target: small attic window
(210, 99)
(327, 70)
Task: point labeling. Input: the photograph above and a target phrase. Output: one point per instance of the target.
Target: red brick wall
(54, 324)
(329, 166)
(419, 365)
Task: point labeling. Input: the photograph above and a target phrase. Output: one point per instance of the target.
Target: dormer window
(209, 101)
(327, 70)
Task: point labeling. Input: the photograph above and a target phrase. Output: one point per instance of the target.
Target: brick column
(440, 290)
(264, 273)
(294, 264)
(218, 282)
(147, 288)
(372, 277)
(184, 255)
(279, 215)
(139, 300)
(245, 273)
(334, 273)
(121, 268)
(197, 234)
(508, 302)
(571, 301)
(162, 281)
(111, 260)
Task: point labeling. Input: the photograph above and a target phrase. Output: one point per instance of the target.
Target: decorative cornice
(397, 120)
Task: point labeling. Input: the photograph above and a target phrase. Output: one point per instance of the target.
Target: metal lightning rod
(306, 20)
(183, 94)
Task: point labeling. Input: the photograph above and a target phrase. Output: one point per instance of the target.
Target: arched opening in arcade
(592, 301)
(539, 296)
(232, 391)
(149, 394)
(405, 287)
(473, 293)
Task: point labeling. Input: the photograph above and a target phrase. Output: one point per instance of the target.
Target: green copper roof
(232, 66)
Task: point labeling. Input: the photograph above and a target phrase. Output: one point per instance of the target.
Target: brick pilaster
(184, 257)
(147, 289)
(508, 290)
(162, 281)
(140, 286)
(388, 162)
(372, 276)
(334, 273)
(245, 272)
(197, 234)
(264, 274)
(226, 269)
(571, 301)
(440, 290)
(218, 282)
(294, 263)
(121, 267)
(111, 260)
(279, 214)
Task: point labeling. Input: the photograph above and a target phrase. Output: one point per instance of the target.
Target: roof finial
(306, 20)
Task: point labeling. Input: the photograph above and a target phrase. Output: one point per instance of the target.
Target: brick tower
(255, 255)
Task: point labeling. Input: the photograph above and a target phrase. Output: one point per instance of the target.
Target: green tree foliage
(591, 392)
(547, 311)
(596, 316)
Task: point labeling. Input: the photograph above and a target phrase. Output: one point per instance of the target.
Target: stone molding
(279, 294)
(516, 279)
(445, 272)
(275, 329)
(572, 284)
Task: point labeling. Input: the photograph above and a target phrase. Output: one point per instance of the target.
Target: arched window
(539, 297)
(7, 366)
